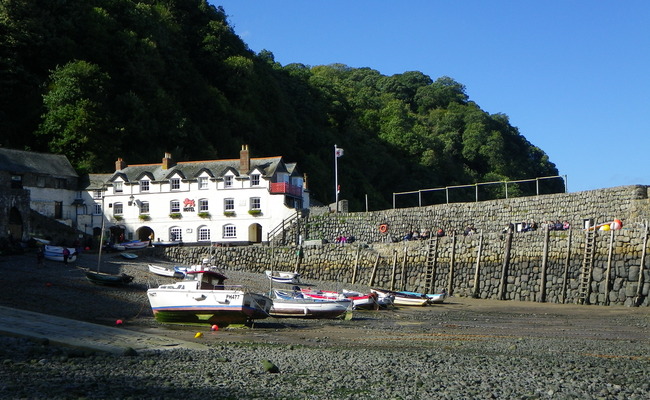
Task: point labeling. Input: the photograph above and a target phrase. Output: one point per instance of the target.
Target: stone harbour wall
(543, 265)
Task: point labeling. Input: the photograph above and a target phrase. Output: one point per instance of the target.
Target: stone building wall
(535, 271)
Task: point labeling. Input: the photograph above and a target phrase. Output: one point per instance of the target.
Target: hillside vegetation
(101, 79)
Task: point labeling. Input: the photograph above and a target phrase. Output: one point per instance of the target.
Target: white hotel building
(236, 201)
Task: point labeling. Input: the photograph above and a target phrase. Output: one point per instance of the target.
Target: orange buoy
(214, 328)
(383, 228)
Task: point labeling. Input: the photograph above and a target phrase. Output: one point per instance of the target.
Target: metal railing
(476, 187)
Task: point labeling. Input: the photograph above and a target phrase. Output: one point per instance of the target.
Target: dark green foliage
(97, 80)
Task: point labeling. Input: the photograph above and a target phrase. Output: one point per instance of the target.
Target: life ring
(383, 228)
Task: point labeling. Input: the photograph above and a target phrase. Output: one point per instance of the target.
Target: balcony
(286, 188)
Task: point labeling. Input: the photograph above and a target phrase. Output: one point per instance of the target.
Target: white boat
(162, 243)
(55, 253)
(162, 271)
(286, 304)
(283, 277)
(135, 244)
(202, 297)
(432, 298)
(402, 299)
(359, 300)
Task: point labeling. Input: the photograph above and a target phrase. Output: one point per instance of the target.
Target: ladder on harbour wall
(432, 258)
(587, 266)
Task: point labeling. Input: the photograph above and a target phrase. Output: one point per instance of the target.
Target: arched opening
(15, 224)
(255, 233)
(144, 233)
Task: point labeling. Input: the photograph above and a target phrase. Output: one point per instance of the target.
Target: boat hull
(59, 257)
(219, 307)
(308, 308)
(162, 271)
(283, 277)
(402, 299)
(100, 278)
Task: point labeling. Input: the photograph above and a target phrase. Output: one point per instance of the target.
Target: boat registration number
(232, 296)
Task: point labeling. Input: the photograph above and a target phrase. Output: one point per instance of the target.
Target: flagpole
(336, 179)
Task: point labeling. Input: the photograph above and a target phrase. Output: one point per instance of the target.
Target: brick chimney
(167, 161)
(120, 164)
(244, 160)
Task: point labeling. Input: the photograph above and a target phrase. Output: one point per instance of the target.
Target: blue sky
(573, 76)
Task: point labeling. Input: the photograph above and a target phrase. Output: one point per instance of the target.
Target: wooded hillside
(101, 79)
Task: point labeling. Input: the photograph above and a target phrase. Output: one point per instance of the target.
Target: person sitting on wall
(566, 225)
(424, 235)
(440, 232)
(408, 236)
(558, 225)
(416, 235)
(533, 225)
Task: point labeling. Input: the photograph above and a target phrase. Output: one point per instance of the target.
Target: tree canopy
(97, 80)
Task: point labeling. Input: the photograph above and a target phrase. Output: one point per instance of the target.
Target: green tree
(77, 122)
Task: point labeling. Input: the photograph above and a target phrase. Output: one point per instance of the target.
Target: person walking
(40, 257)
(66, 255)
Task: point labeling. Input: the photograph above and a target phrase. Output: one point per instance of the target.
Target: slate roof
(192, 169)
(21, 161)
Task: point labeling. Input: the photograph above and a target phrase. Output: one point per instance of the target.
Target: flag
(338, 189)
(338, 152)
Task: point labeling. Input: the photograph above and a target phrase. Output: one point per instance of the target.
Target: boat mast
(101, 235)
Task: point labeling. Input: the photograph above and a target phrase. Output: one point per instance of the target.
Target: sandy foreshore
(465, 348)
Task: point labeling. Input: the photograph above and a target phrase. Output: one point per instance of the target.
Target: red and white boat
(359, 300)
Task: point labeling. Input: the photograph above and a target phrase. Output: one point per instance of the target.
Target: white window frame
(175, 184)
(229, 204)
(144, 207)
(175, 206)
(255, 179)
(118, 209)
(228, 181)
(203, 182)
(204, 205)
(144, 185)
(117, 187)
(97, 209)
(97, 194)
(229, 231)
(175, 234)
(255, 203)
(203, 233)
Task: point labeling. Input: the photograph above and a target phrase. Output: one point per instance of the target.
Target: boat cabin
(209, 280)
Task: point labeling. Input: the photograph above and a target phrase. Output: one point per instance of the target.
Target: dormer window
(227, 181)
(144, 186)
(203, 182)
(97, 194)
(255, 180)
(117, 187)
(175, 183)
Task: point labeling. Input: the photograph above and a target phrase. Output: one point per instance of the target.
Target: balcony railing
(286, 188)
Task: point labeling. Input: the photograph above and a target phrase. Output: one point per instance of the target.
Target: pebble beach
(462, 349)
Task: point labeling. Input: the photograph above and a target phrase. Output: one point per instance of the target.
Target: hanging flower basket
(175, 215)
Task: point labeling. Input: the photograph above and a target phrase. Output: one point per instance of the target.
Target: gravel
(463, 349)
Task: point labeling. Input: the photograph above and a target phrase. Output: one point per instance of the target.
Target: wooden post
(299, 255)
(504, 267)
(542, 283)
(392, 279)
(567, 261)
(356, 266)
(609, 265)
(475, 290)
(403, 283)
(639, 288)
(450, 280)
(374, 271)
